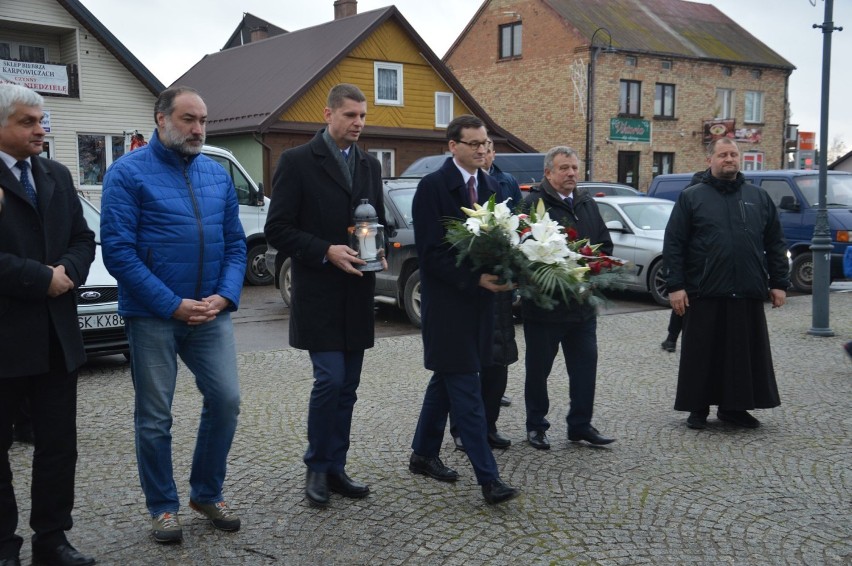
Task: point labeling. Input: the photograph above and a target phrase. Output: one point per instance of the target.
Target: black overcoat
(30, 241)
(457, 314)
(312, 208)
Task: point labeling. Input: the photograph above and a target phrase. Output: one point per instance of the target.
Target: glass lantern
(368, 237)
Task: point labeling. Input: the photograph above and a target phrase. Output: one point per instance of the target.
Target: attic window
(755, 73)
(727, 71)
(630, 61)
(388, 80)
(666, 65)
(443, 109)
(510, 40)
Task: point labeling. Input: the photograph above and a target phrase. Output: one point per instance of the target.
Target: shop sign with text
(629, 130)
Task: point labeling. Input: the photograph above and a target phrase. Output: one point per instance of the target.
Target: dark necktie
(25, 181)
(471, 190)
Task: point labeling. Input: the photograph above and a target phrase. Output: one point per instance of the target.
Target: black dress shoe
(432, 467)
(62, 555)
(10, 561)
(346, 486)
(316, 488)
(697, 420)
(496, 491)
(497, 440)
(738, 418)
(457, 441)
(505, 401)
(590, 435)
(538, 439)
(669, 345)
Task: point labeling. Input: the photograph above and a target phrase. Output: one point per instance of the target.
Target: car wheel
(256, 272)
(657, 284)
(802, 274)
(285, 281)
(411, 297)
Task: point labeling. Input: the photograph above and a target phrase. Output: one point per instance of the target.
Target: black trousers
(52, 399)
(494, 380)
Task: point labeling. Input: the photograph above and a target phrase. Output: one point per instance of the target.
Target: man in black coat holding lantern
(316, 188)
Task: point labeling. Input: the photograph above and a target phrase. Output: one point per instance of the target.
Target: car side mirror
(789, 203)
(615, 226)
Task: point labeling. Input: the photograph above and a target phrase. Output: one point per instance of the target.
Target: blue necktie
(25, 181)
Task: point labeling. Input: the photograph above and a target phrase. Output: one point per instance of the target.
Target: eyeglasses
(475, 145)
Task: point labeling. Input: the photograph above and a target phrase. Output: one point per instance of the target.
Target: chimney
(258, 33)
(345, 8)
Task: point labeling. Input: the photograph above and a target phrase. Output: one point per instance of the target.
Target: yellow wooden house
(268, 95)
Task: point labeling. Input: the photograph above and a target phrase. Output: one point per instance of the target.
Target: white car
(636, 226)
(97, 300)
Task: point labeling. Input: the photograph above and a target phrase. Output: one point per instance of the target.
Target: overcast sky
(169, 36)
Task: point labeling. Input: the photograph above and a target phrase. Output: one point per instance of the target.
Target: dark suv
(400, 284)
(527, 168)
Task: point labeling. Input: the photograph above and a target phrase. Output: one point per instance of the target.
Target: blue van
(795, 194)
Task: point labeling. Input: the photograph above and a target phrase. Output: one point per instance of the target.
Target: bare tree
(837, 149)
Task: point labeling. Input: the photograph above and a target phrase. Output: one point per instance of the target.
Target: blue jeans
(333, 397)
(580, 348)
(209, 351)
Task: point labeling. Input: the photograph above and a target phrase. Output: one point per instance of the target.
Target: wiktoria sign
(629, 130)
(41, 77)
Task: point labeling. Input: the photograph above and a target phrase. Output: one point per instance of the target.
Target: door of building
(628, 168)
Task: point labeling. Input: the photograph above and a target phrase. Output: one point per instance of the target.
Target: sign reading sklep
(630, 130)
(40, 77)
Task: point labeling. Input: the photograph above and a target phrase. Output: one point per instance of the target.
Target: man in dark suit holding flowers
(457, 313)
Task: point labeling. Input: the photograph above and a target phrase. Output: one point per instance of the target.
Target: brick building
(637, 87)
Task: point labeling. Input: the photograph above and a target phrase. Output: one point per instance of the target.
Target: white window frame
(15, 50)
(107, 160)
(722, 112)
(397, 67)
(753, 161)
(445, 98)
(381, 155)
(756, 116)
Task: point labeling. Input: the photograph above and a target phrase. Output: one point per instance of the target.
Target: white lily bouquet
(546, 261)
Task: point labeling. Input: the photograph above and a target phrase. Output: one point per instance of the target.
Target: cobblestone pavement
(662, 494)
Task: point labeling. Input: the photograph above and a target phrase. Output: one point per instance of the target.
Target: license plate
(94, 321)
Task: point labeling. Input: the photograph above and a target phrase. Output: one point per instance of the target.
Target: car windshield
(425, 165)
(649, 216)
(838, 190)
(93, 218)
(403, 198)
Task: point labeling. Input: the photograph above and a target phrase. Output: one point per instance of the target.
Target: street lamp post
(590, 104)
(821, 242)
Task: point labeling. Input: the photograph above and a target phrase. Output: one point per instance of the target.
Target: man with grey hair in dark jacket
(572, 325)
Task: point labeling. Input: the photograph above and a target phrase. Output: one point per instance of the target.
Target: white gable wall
(112, 100)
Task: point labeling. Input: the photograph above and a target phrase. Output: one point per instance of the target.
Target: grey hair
(12, 95)
(558, 150)
(166, 101)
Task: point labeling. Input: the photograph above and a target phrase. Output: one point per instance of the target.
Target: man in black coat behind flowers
(572, 325)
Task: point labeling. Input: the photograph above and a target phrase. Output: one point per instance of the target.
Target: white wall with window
(388, 81)
(753, 106)
(386, 158)
(752, 160)
(95, 153)
(443, 109)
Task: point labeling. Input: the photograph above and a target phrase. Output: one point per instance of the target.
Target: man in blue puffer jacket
(172, 237)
